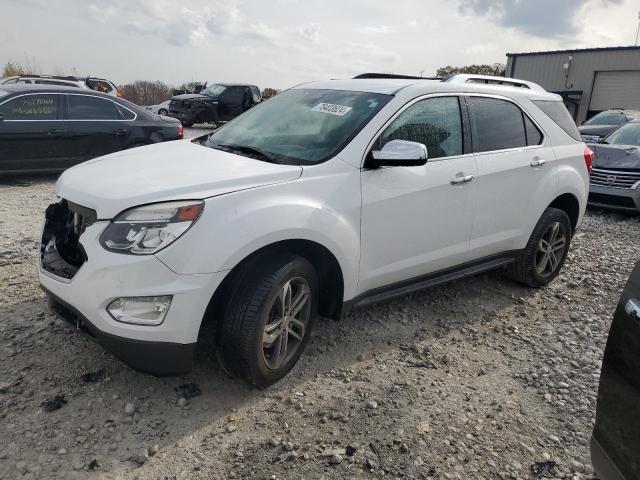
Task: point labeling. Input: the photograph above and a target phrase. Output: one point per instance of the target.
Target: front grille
(612, 200)
(614, 178)
(60, 250)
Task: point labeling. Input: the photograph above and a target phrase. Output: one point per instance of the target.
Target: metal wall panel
(548, 70)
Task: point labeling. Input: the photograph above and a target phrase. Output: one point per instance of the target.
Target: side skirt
(429, 280)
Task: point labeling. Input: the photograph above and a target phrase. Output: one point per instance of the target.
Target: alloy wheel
(286, 322)
(551, 249)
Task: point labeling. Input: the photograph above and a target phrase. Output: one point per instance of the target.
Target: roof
(575, 50)
(423, 87)
(25, 87)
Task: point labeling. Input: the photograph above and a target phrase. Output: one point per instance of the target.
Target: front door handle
(120, 131)
(537, 162)
(461, 179)
(54, 132)
(633, 308)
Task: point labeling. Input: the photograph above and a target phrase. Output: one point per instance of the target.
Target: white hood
(177, 170)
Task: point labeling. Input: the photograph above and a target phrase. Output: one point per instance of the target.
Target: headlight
(148, 229)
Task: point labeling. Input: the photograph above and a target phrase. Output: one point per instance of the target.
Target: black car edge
(615, 444)
(48, 129)
(219, 102)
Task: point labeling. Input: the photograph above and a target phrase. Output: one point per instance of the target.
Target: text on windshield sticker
(330, 108)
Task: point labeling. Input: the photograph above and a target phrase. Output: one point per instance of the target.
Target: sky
(281, 43)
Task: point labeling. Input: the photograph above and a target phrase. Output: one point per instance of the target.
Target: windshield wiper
(249, 150)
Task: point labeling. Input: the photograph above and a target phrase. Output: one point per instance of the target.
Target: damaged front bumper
(81, 279)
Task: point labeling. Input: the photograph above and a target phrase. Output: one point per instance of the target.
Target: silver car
(615, 177)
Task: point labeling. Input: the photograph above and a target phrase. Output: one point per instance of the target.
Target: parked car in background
(328, 196)
(30, 80)
(49, 129)
(219, 102)
(603, 123)
(615, 177)
(97, 84)
(615, 444)
(160, 109)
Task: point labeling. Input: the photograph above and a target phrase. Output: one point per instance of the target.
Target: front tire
(268, 318)
(162, 112)
(541, 260)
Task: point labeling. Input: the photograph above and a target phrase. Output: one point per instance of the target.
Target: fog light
(140, 310)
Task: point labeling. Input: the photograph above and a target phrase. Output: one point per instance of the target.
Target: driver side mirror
(399, 153)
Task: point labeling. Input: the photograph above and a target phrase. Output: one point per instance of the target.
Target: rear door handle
(461, 179)
(54, 132)
(537, 162)
(120, 131)
(633, 308)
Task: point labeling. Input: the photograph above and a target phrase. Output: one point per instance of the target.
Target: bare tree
(270, 92)
(143, 92)
(496, 69)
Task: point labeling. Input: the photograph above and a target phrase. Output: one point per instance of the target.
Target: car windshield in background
(628, 134)
(213, 90)
(3, 93)
(606, 119)
(301, 126)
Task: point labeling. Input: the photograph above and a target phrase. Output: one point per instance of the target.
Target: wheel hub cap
(286, 322)
(551, 249)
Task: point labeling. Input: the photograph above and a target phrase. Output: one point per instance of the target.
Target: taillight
(181, 131)
(589, 156)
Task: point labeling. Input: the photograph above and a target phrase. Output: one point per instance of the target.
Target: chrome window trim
(135, 115)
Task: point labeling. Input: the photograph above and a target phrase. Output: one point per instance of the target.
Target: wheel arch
(568, 203)
(330, 277)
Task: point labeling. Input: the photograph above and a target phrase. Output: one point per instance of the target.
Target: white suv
(330, 195)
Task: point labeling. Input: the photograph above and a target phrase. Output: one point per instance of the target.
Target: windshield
(213, 90)
(628, 134)
(302, 126)
(605, 118)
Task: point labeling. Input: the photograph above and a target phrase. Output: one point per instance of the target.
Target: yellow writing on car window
(34, 106)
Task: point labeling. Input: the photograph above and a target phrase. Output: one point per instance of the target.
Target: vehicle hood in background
(599, 130)
(625, 157)
(178, 170)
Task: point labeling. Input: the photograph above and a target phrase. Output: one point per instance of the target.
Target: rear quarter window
(557, 112)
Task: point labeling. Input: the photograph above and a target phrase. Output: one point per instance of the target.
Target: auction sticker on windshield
(332, 109)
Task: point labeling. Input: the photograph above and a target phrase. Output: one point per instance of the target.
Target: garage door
(615, 90)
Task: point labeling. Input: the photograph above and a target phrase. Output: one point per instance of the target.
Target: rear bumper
(157, 358)
(621, 199)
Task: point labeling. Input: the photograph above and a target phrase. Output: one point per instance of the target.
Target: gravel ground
(479, 379)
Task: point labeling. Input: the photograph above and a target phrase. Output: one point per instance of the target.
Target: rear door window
(40, 106)
(557, 112)
(534, 136)
(496, 124)
(86, 107)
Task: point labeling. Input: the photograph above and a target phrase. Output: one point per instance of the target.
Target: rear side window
(31, 107)
(85, 107)
(496, 124)
(534, 137)
(434, 122)
(557, 112)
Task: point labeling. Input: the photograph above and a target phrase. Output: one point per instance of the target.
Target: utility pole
(638, 30)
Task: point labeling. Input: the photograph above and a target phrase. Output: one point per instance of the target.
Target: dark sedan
(49, 129)
(602, 124)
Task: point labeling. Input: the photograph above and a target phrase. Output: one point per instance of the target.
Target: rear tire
(268, 318)
(162, 112)
(541, 260)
